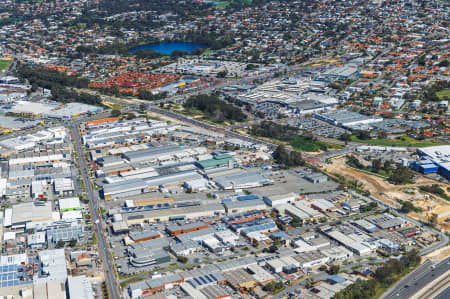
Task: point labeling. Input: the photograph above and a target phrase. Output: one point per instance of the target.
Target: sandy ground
(438, 254)
(389, 193)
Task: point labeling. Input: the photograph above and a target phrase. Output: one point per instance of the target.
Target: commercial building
(233, 207)
(275, 200)
(239, 279)
(79, 287)
(175, 229)
(386, 221)
(323, 205)
(354, 244)
(440, 156)
(69, 204)
(124, 188)
(145, 235)
(66, 234)
(151, 286)
(218, 160)
(192, 211)
(316, 178)
(348, 119)
(53, 265)
(242, 180)
(20, 214)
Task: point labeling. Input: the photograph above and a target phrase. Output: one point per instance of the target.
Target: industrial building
(439, 156)
(151, 286)
(79, 287)
(242, 180)
(232, 207)
(124, 188)
(348, 119)
(279, 199)
(193, 211)
(175, 229)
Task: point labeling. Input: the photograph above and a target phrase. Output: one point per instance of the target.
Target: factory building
(233, 207)
(124, 188)
(279, 199)
(175, 229)
(440, 156)
(242, 180)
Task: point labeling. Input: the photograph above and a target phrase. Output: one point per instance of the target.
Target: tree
(401, 175)
(182, 259)
(115, 113)
(363, 135)
(376, 165)
(345, 137)
(60, 244)
(73, 242)
(407, 207)
(334, 269)
(222, 74)
(444, 63)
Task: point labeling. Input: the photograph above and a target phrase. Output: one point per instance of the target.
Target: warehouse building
(145, 235)
(440, 156)
(275, 200)
(348, 119)
(242, 217)
(218, 161)
(175, 230)
(53, 265)
(353, 244)
(65, 234)
(303, 205)
(79, 287)
(323, 205)
(149, 253)
(151, 286)
(239, 279)
(233, 207)
(316, 178)
(386, 221)
(186, 248)
(20, 214)
(193, 211)
(124, 188)
(69, 204)
(242, 180)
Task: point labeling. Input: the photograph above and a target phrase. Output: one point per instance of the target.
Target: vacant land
(389, 193)
(308, 144)
(4, 64)
(443, 94)
(402, 141)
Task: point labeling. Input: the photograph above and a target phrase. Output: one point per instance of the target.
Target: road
(101, 242)
(417, 279)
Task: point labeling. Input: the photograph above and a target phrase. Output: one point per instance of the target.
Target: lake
(169, 47)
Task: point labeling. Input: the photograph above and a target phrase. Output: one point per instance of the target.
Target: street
(102, 244)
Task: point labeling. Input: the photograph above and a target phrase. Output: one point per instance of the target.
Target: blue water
(169, 47)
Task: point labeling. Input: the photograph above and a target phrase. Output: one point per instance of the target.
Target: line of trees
(384, 277)
(288, 159)
(214, 108)
(270, 129)
(58, 82)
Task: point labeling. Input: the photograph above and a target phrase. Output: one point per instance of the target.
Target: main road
(418, 279)
(102, 244)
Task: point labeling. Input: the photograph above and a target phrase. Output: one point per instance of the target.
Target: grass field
(443, 94)
(402, 141)
(4, 64)
(311, 145)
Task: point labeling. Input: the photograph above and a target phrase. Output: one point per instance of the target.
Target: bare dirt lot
(389, 193)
